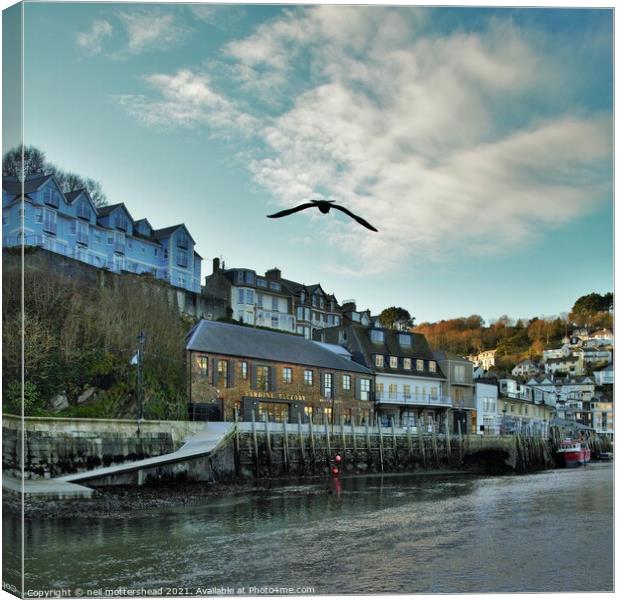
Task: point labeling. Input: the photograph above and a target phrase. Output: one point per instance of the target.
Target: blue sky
(478, 141)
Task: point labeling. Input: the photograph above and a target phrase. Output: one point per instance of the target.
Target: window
(120, 221)
(97, 236)
(336, 320)
(308, 411)
(49, 222)
(110, 238)
(459, 373)
(342, 337)
(315, 300)
(182, 240)
(404, 339)
(182, 258)
(261, 283)
(82, 233)
(38, 215)
(259, 300)
(244, 370)
(222, 373)
(302, 297)
(376, 336)
(322, 302)
(274, 303)
(274, 286)
(346, 382)
(249, 277)
(203, 365)
(364, 389)
(392, 391)
(72, 227)
(308, 376)
(249, 296)
(287, 375)
(154, 251)
(275, 322)
(407, 391)
(432, 366)
(328, 379)
(407, 364)
(240, 296)
(393, 362)
(83, 210)
(50, 196)
(419, 365)
(378, 360)
(379, 390)
(262, 378)
(300, 313)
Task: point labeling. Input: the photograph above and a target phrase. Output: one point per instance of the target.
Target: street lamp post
(139, 376)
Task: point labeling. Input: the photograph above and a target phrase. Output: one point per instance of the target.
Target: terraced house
(104, 237)
(271, 301)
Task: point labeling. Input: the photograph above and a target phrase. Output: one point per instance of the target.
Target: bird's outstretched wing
(358, 219)
(290, 211)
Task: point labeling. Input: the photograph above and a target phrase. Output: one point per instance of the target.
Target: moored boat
(572, 453)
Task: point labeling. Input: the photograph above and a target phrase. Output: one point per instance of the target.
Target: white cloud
(435, 138)
(91, 41)
(151, 29)
(186, 99)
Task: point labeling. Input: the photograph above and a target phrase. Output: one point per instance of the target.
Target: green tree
(395, 317)
(587, 308)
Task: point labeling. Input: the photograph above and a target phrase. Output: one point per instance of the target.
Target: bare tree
(34, 161)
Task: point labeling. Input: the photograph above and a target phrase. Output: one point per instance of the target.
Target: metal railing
(412, 399)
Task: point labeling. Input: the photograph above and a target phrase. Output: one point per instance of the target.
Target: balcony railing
(413, 399)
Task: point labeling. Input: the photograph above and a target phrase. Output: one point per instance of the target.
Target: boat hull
(573, 458)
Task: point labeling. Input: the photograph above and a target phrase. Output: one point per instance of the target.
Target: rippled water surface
(550, 531)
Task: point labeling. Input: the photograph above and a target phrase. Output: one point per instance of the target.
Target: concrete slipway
(199, 445)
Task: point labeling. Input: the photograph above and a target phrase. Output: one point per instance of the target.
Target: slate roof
(11, 185)
(71, 196)
(445, 355)
(362, 349)
(167, 231)
(104, 211)
(247, 342)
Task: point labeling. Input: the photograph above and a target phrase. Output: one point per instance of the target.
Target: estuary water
(549, 531)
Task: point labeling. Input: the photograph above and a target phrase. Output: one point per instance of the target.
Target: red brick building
(275, 375)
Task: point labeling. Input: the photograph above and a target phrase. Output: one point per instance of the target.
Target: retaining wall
(59, 446)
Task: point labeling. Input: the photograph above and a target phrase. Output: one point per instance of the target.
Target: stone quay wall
(59, 446)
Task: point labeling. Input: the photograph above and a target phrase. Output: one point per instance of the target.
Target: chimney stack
(216, 265)
(274, 274)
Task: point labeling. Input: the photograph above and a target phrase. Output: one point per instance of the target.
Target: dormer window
(302, 297)
(376, 336)
(393, 362)
(182, 240)
(404, 339)
(379, 360)
(322, 301)
(419, 365)
(432, 366)
(407, 364)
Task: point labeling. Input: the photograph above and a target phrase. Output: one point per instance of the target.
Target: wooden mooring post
(458, 426)
(285, 446)
(448, 444)
(268, 441)
(312, 446)
(434, 442)
(394, 448)
(409, 444)
(237, 449)
(421, 442)
(342, 438)
(380, 442)
(256, 465)
(329, 445)
(302, 452)
(354, 437)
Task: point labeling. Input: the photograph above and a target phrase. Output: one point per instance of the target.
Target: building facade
(276, 376)
(484, 359)
(105, 237)
(409, 383)
(271, 301)
(459, 386)
(487, 406)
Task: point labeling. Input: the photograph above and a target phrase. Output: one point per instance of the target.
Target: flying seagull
(324, 206)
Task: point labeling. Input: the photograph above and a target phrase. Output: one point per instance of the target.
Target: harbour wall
(58, 446)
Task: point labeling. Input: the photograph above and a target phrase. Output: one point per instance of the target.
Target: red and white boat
(572, 453)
